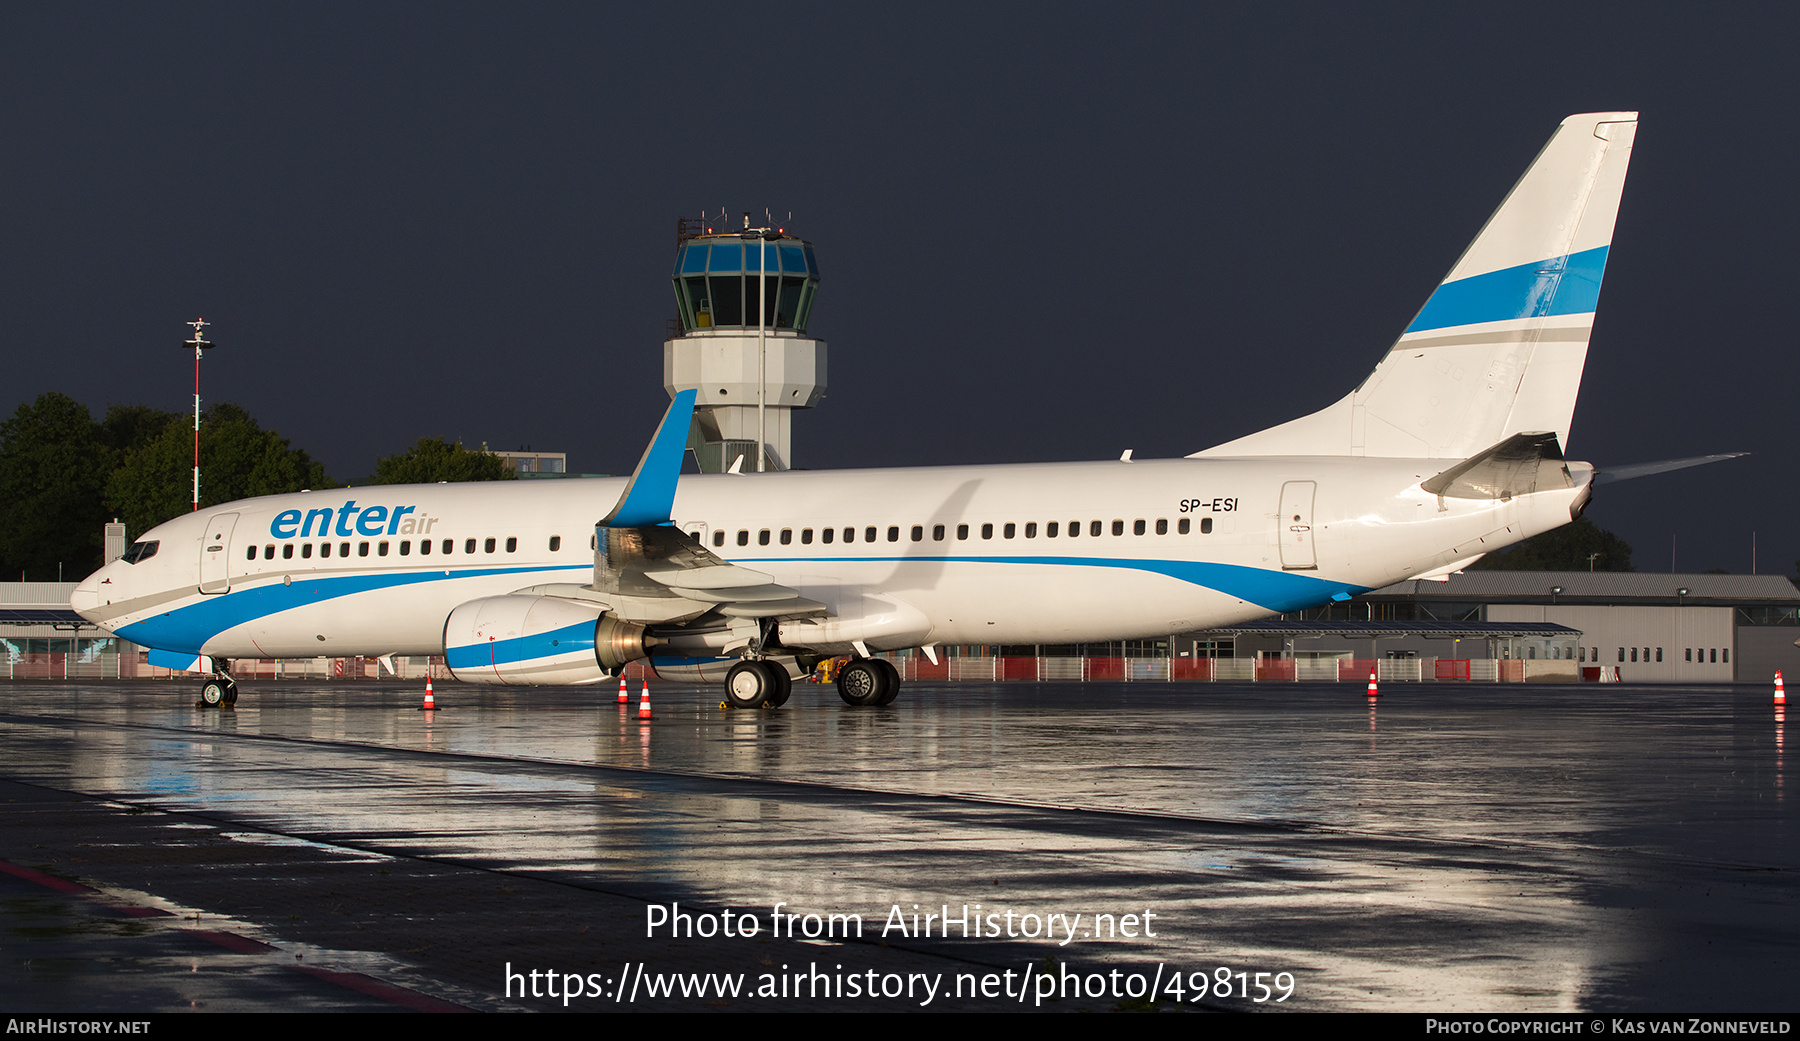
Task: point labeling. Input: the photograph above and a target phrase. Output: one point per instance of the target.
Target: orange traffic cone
(1373, 691)
(644, 702)
(430, 702)
(624, 695)
(1780, 693)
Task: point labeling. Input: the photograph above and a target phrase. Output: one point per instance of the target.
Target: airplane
(1452, 448)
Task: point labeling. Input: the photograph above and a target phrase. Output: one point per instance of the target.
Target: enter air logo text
(348, 520)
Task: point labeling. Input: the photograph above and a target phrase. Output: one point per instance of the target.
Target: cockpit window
(140, 551)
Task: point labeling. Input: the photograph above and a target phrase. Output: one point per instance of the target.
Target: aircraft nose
(86, 598)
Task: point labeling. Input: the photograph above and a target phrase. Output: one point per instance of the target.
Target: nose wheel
(218, 692)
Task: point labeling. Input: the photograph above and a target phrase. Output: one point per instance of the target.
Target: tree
(1563, 549)
(238, 460)
(433, 460)
(53, 465)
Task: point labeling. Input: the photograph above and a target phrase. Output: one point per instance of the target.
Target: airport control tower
(752, 365)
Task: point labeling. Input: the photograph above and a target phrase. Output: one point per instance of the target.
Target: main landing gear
(220, 689)
(868, 682)
(755, 684)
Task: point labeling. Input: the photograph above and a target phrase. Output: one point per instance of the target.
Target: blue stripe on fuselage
(188, 628)
(1275, 590)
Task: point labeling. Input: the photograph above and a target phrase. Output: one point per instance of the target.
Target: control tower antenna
(200, 345)
(744, 297)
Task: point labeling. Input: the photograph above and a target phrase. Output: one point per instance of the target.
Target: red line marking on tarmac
(61, 885)
(376, 989)
(356, 981)
(232, 941)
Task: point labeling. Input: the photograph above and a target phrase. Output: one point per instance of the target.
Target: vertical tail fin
(1499, 347)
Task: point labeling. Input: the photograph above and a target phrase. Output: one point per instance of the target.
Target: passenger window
(362, 549)
(1137, 526)
(937, 533)
(1094, 529)
(306, 551)
(469, 545)
(487, 545)
(962, 532)
(827, 535)
(425, 547)
(743, 536)
(381, 548)
(806, 536)
(1118, 528)
(893, 533)
(1031, 530)
(918, 533)
(1659, 654)
(269, 552)
(1206, 525)
(1162, 525)
(1009, 530)
(251, 554)
(869, 534)
(718, 538)
(324, 549)
(1181, 526)
(849, 534)
(987, 531)
(555, 543)
(449, 546)
(762, 537)
(512, 545)
(1050, 530)
(287, 551)
(787, 536)
(405, 547)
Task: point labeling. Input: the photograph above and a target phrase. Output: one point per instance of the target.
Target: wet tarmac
(1101, 846)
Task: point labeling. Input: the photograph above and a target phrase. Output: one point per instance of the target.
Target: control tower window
(727, 300)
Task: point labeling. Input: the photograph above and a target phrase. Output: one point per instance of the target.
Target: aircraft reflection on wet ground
(1447, 848)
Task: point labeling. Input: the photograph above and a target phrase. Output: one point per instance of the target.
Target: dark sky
(1046, 231)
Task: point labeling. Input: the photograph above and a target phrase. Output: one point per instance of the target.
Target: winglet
(650, 495)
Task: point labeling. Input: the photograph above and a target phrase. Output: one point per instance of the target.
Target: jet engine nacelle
(543, 640)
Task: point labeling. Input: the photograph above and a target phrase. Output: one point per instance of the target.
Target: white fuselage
(958, 554)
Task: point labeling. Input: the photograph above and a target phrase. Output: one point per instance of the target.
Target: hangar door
(1296, 526)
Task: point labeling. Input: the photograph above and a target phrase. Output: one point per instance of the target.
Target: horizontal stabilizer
(1625, 473)
(1521, 464)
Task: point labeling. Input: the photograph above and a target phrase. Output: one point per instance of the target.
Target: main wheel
(893, 681)
(862, 682)
(212, 693)
(781, 686)
(748, 684)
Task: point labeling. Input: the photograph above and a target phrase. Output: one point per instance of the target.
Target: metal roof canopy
(1392, 630)
(1648, 589)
